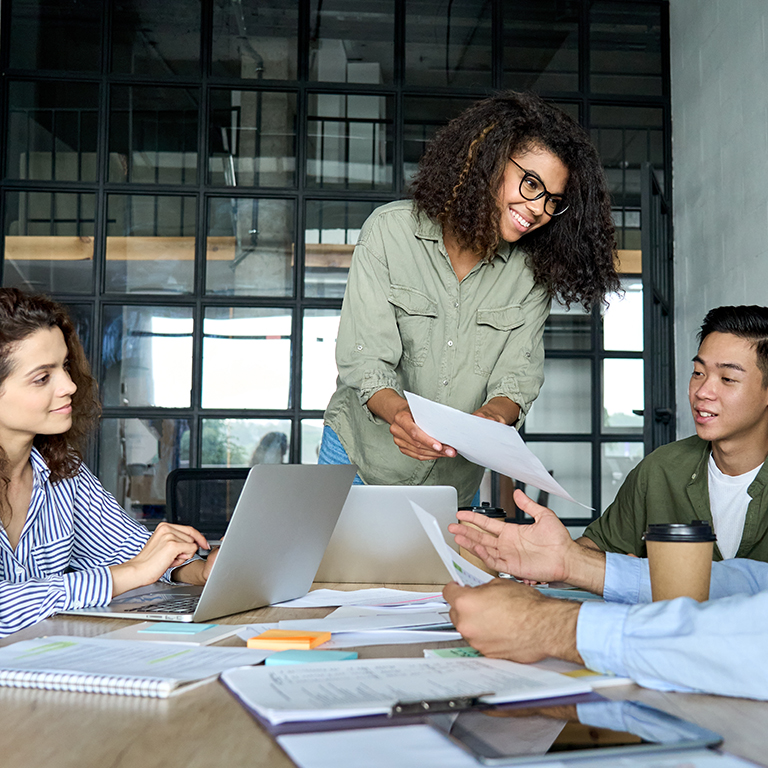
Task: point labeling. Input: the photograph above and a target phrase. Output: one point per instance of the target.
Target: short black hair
(748, 322)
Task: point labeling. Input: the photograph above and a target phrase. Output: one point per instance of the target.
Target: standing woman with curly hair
(448, 292)
(64, 541)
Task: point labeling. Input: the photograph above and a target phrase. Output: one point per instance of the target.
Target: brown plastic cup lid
(695, 531)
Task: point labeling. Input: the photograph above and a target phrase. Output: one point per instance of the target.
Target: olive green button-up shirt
(407, 323)
(671, 485)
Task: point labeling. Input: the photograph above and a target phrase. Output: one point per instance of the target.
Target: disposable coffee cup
(494, 512)
(680, 559)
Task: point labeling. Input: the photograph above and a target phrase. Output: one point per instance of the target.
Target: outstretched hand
(541, 551)
(537, 551)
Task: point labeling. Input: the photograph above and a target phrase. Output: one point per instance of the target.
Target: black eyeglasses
(532, 188)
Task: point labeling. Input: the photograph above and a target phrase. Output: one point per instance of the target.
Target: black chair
(204, 498)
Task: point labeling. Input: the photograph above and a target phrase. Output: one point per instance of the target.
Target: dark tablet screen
(573, 732)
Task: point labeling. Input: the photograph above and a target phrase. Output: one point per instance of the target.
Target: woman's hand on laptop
(169, 546)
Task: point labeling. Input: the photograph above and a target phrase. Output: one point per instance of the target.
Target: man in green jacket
(719, 474)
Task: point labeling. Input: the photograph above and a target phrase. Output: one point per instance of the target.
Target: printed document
(372, 686)
(484, 442)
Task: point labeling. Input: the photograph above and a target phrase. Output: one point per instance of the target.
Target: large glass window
(191, 180)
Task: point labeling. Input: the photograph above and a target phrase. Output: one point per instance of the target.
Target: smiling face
(729, 401)
(36, 397)
(518, 215)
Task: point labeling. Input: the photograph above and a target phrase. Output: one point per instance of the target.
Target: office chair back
(204, 498)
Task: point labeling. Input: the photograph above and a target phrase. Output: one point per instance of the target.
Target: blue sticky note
(302, 657)
(174, 628)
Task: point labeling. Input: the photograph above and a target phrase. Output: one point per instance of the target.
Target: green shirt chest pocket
(494, 328)
(416, 316)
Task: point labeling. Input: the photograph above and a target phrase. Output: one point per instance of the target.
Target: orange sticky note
(287, 639)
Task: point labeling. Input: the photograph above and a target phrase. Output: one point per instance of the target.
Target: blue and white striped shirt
(74, 530)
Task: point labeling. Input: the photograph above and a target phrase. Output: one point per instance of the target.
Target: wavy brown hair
(21, 315)
(460, 176)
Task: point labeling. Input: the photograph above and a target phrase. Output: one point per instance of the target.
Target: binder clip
(438, 706)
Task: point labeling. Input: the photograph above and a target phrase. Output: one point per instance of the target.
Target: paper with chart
(485, 442)
(459, 569)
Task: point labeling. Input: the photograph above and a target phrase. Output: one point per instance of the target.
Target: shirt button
(456, 304)
(450, 343)
(445, 383)
(359, 347)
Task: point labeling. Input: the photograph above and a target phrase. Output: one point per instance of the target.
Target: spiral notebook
(122, 667)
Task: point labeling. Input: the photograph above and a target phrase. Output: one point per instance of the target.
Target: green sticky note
(302, 657)
(174, 628)
(456, 653)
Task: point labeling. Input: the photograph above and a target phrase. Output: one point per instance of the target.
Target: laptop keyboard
(169, 605)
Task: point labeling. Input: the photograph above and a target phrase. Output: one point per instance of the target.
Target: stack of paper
(374, 686)
(286, 639)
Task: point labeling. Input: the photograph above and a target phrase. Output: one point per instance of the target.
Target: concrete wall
(719, 63)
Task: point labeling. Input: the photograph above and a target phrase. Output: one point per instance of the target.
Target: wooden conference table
(207, 727)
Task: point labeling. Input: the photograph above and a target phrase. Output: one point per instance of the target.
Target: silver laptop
(379, 539)
(276, 537)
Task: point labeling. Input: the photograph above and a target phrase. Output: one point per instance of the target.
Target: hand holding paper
(484, 442)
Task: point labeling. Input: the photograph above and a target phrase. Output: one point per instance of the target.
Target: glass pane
(150, 244)
(350, 141)
(311, 436)
(564, 403)
(623, 319)
(81, 315)
(153, 135)
(628, 240)
(625, 40)
(350, 43)
(618, 460)
(252, 139)
(333, 227)
(159, 39)
(56, 34)
(571, 465)
(135, 457)
(255, 39)
(568, 329)
(245, 442)
(247, 358)
(318, 358)
(146, 356)
(626, 137)
(623, 393)
(541, 45)
(249, 248)
(52, 131)
(423, 117)
(448, 43)
(49, 241)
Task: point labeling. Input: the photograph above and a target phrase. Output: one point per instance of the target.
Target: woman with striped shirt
(65, 542)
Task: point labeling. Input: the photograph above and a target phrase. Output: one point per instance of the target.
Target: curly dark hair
(461, 172)
(21, 315)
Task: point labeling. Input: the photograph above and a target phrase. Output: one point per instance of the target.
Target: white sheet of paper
(305, 692)
(329, 598)
(486, 443)
(407, 620)
(459, 569)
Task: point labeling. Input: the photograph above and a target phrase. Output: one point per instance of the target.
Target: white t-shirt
(728, 500)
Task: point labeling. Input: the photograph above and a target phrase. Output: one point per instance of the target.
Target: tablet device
(571, 732)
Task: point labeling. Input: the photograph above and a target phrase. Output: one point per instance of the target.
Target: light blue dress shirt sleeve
(714, 647)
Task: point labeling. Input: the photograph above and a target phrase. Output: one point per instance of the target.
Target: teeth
(706, 414)
(519, 218)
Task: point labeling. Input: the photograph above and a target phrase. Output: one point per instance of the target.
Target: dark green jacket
(670, 486)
